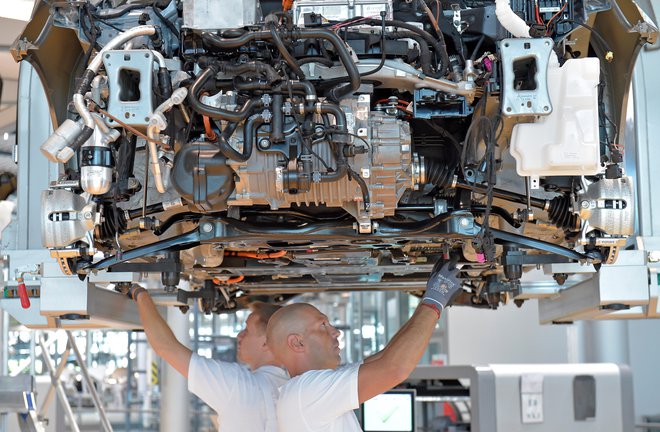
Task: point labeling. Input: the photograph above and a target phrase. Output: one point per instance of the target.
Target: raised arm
(397, 360)
(160, 336)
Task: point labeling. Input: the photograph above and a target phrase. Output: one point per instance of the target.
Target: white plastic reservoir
(566, 142)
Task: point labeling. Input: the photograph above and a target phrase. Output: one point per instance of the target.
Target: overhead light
(5, 136)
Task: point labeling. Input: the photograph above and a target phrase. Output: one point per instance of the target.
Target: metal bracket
(525, 69)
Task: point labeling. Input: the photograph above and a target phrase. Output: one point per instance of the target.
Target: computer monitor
(392, 411)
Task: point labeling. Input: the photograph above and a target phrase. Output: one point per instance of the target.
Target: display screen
(392, 411)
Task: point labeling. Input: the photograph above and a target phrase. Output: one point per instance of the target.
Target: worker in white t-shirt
(243, 395)
(320, 397)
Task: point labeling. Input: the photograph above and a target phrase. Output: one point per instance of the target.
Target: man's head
(252, 348)
(302, 339)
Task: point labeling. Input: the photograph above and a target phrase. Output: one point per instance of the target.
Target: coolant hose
(335, 93)
(509, 20)
(213, 112)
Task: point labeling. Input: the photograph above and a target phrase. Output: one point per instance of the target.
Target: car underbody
(278, 149)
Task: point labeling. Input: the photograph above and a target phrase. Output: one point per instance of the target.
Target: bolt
(87, 215)
(207, 227)
(264, 143)
(584, 204)
(464, 222)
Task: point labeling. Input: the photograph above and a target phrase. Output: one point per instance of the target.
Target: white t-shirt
(243, 399)
(320, 401)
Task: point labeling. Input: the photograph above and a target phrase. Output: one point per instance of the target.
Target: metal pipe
(120, 39)
(157, 123)
(90, 385)
(43, 411)
(68, 412)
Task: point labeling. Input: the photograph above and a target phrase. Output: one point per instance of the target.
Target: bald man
(320, 397)
(243, 395)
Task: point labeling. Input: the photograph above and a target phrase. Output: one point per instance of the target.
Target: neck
(268, 361)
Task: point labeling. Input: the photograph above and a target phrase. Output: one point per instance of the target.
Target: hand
(131, 290)
(443, 285)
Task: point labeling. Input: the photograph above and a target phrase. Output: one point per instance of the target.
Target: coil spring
(561, 215)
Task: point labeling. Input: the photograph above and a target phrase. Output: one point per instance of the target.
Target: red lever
(23, 294)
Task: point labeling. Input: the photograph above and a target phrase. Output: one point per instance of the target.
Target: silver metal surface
(17, 395)
(389, 162)
(496, 395)
(61, 394)
(220, 14)
(66, 301)
(121, 67)
(618, 291)
(90, 385)
(609, 206)
(516, 102)
(394, 74)
(12, 393)
(66, 217)
(340, 10)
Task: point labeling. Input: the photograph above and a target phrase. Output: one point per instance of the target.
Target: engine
(334, 143)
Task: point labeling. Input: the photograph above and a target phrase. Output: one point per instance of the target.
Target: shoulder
(204, 367)
(311, 380)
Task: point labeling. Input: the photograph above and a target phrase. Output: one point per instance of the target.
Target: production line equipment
(233, 150)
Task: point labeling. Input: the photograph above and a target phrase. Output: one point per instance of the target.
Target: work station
(329, 216)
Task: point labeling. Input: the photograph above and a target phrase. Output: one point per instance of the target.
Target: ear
(295, 343)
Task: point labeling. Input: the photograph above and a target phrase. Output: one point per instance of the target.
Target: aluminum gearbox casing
(386, 169)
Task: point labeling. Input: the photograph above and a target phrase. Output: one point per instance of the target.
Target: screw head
(584, 204)
(464, 222)
(207, 227)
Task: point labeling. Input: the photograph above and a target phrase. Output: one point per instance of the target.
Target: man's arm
(160, 336)
(393, 364)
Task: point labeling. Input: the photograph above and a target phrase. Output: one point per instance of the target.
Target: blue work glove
(131, 290)
(443, 285)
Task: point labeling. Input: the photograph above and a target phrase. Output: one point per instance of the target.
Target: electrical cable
(609, 54)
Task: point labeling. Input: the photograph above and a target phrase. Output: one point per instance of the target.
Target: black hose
(337, 144)
(250, 131)
(475, 52)
(382, 49)
(424, 52)
(164, 20)
(335, 93)
(226, 149)
(286, 55)
(499, 211)
(363, 188)
(438, 45)
(213, 112)
(121, 13)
